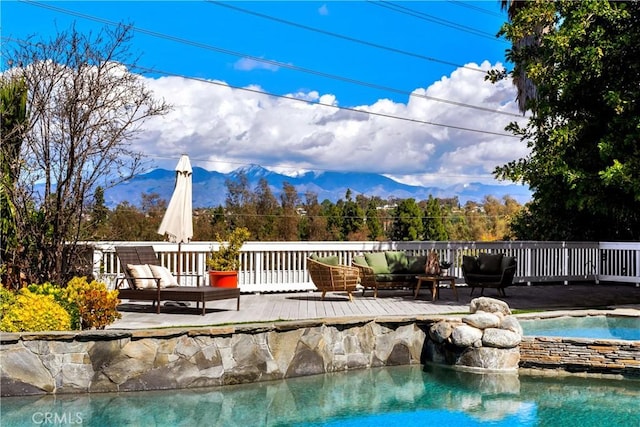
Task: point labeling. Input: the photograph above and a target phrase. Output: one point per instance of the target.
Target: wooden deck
(308, 305)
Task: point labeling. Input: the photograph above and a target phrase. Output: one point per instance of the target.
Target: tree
(98, 217)
(85, 106)
(240, 207)
(313, 225)
(290, 220)
(407, 221)
(352, 219)
(267, 210)
(13, 122)
(374, 224)
(584, 162)
(434, 228)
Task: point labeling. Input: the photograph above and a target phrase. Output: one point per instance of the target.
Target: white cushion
(142, 275)
(166, 278)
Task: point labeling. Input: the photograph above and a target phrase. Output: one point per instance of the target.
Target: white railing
(281, 266)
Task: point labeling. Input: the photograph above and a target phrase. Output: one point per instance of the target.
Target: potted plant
(224, 263)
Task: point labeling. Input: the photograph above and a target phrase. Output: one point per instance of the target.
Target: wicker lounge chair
(333, 278)
(145, 255)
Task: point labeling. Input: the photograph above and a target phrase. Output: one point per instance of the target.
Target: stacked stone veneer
(578, 355)
(486, 339)
(108, 361)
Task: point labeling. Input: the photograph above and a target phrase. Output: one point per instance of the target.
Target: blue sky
(338, 53)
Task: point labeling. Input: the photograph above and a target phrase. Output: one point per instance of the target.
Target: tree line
(290, 216)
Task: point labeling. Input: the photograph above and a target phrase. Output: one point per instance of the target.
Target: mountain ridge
(209, 189)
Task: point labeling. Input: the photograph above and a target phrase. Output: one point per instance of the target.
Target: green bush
(34, 313)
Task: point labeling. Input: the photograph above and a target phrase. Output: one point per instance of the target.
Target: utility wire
(292, 98)
(344, 37)
(476, 8)
(431, 18)
(352, 109)
(271, 62)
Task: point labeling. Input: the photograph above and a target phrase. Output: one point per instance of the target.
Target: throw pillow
(469, 264)
(397, 262)
(490, 263)
(166, 278)
(378, 262)
(142, 275)
(360, 260)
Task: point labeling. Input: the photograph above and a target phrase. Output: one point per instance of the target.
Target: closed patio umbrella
(177, 223)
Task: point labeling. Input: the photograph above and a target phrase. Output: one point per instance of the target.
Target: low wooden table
(435, 281)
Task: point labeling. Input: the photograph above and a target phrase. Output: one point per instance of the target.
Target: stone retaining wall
(109, 361)
(581, 355)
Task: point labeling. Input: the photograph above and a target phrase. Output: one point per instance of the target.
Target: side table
(435, 281)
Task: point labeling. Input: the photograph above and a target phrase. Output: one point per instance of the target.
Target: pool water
(597, 327)
(403, 395)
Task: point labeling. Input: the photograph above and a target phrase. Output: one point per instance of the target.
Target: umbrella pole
(179, 263)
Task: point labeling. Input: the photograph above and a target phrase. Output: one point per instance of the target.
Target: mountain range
(209, 189)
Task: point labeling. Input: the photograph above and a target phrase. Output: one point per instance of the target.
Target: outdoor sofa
(158, 284)
(389, 269)
(489, 271)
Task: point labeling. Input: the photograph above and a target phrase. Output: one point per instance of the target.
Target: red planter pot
(223, 279)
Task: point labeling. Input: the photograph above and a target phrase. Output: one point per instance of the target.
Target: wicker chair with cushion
(330, 276)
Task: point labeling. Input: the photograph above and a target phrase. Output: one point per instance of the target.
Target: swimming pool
(596, 327)
(404, 395)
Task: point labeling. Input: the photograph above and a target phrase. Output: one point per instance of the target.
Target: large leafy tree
(85, 106)
(584, 128)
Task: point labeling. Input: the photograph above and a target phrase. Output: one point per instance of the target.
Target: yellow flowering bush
(60, 296)
(31, 312)
(97, 306)
(7, 299)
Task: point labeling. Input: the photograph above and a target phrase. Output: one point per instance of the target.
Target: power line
(431, 18)
(292, 98)
(337, 107)
(271, 62)
(476, 8)
(344, 37)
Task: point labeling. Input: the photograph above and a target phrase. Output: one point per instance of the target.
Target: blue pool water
(597, 327)
(396, 396)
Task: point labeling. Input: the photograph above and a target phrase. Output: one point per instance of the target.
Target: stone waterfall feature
(486, 339)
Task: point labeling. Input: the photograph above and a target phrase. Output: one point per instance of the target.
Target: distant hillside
(209, 189)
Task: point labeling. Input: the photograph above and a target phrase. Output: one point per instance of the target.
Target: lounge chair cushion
(397, 262)
(416, 263)
(490, 263)
(143, 278)
(166, 278)
(378, 262)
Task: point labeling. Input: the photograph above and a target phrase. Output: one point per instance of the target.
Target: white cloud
(249, 64)
(323, 10)
(223, 128)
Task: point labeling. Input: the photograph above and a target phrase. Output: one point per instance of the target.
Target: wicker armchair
(333, 278)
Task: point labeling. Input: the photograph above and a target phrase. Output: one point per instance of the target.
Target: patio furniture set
(398, 270)
(146, 280)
